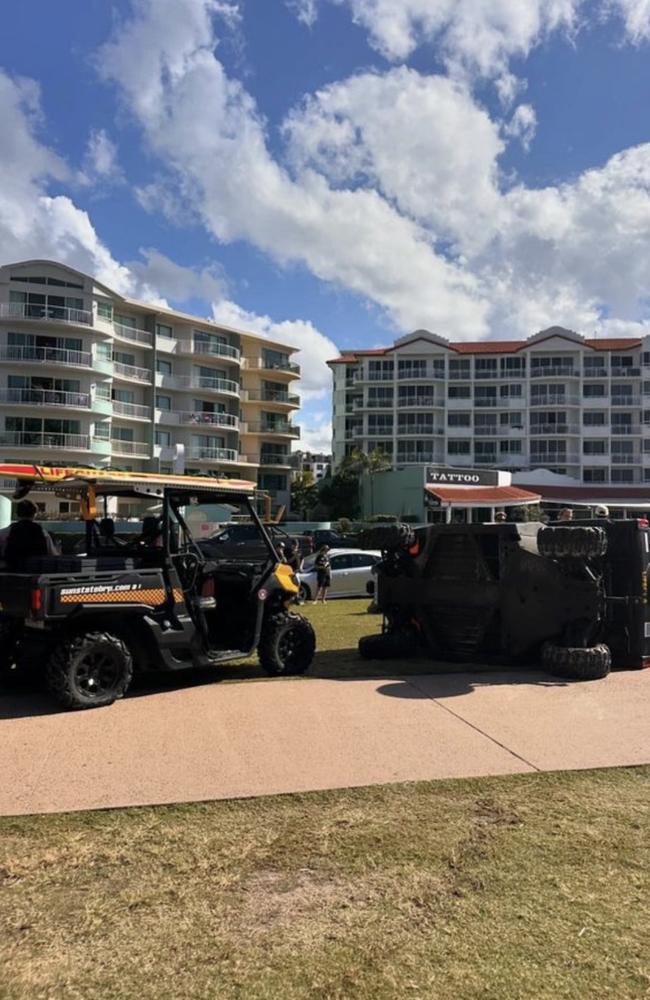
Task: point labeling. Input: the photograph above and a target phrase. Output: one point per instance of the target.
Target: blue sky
(338, 172)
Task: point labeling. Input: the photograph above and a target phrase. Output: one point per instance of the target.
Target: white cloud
(315, 348)
(163, 60)
(522, 125)
(635, 15)
(179, 283)
(305, 10)
(100, 165)
(477, 36)
(316, 438)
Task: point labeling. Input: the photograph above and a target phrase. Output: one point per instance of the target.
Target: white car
(351, 573)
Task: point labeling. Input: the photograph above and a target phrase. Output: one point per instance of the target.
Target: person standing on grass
(323, 573)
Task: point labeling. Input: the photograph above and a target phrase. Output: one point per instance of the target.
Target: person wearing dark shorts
(323, 573)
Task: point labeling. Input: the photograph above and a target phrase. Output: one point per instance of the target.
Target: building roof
(499, 346)
(636, 495)
(482, 496)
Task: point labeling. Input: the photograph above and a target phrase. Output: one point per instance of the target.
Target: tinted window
(358, 559)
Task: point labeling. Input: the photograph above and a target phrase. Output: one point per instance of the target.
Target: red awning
(483, 496)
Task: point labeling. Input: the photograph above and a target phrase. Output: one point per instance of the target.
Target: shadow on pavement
(27, 698)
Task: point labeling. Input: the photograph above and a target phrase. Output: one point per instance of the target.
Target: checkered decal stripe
(151, 597)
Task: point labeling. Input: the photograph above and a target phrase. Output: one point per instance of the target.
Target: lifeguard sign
(445, 476)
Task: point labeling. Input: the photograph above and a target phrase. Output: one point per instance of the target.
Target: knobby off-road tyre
(388, 537)
(387, 646)
(571, 543)
(287, 645)
(89, 670)
(580, 663)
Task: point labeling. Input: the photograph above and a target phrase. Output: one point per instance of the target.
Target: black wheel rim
(97, 673)
(292, 645)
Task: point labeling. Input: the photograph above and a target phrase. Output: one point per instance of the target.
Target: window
(122, 434)
(595, 390)
(513, 391)
(458, 447)
(621, 392)
(275, 359)
(514, 419)
(163, 367)
(380, 423)
(459, 392)
(164, 402)
(124, 395)
(594, 475)
(485, 395)
(485, 368)
(459, 368)
(438, 365)
(162, 330)
(379, 395)
(411, 423)
(105, 310)
(415, 395)
(510, 447)
(594, 366)
(483, 420)
(411, 368)
(380, 371)
(622, 475)
(124, 358)
(459, 419)
(164, 439)
(593, 418)
(556, 365)
(515, 367)
(594, 447)
(268, 481)
(102, 391)
(103, 352)
(102, 431)
(212, 374)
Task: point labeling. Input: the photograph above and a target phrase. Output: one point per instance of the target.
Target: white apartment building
(90, 377)
(578, 407)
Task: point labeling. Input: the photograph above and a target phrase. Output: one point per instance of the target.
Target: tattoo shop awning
(481, 496)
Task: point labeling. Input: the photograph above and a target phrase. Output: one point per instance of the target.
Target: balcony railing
(626, 401)
(29, 439)
(487, 459)
(617, 429)
(624, 459)
(138, 449)
(269, 365)
(487, 374)
(418, 403)
(213, 454)
(554, 371)
(630, 372)
(595, 372)
(21, 310)
(272, 428)
(198, 346)
(200, 382)
(270, 396)
(425, 429)
(203, 418)
(553, 429)
(134, 410)
(132, 371)
(46, 355)
(553, 401)
(406, 458)
(415, 375)
(374, 404)
(379, 377)
(45, 397)
(133, 334)
(486, 401)
(275, 458)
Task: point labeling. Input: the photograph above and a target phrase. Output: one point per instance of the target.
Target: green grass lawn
(530, 886)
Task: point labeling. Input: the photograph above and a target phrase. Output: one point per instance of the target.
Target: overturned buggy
(572, 597)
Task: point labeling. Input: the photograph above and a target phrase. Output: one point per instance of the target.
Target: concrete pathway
(261, 737)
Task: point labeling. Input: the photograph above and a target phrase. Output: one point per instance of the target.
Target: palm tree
(368, 464)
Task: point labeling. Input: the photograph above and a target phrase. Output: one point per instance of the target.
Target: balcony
(378, 377)
(132, 372)
(555, 371)
(489, 401)
(132, 334)
(418, 403)
(218, 385)
(407, 458)
(27, 439)
(553, 429)
(133, 411)
(47, 356)
(266, 364)
(213, 454)
(420, 430)
(415, 376)
(207, 419)
(58, 314)
(626, 401)
(624, 459)
(551, 402)
(487, 459)
(209, 349)
(493, 373)
(374, 404)
(134, 449)
(45, 397)
(625, 371)
(620, 429)
(285, 429)
(277, 458)
(595, 372)
(270, 396)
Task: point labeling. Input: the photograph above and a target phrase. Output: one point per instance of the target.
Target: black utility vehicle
(156, 603)
(573, 597)
(243, 541)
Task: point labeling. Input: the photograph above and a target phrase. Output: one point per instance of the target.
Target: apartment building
(88, 376)
(318, 464)
(578, 407)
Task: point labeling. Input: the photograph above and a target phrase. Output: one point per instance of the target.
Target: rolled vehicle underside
(514, 592)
